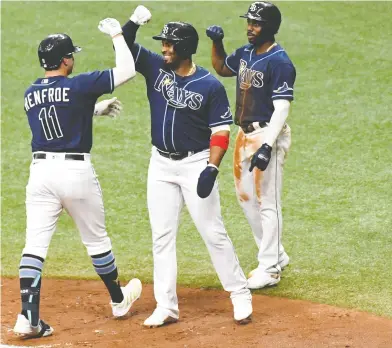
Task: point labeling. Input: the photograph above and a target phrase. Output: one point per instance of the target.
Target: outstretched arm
(125, 65)
(218, 53)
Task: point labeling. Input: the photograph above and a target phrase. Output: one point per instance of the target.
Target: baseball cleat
(242, 309)
(158, 318)
(131, 292)
(260, 279)
(283, 263)
(24, 329)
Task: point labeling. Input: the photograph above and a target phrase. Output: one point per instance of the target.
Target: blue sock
(105, 266)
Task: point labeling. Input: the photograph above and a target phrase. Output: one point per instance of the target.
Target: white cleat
(131, 292)
(261, 279)
(242, 309)
(158, 318)
(23, 328)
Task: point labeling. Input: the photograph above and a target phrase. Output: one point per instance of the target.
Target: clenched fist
(215, 33)
(110, 26)
(141, 15)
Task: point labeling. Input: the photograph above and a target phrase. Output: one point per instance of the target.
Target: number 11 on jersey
(50, 123)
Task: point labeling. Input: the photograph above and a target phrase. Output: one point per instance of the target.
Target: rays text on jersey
(177, 97)
(46, 95)
(248, 77)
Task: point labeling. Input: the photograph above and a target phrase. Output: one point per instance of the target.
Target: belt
(67, 156)
(251, 127)
(176, 156)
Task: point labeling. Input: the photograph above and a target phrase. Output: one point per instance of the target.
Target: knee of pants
(99, 246)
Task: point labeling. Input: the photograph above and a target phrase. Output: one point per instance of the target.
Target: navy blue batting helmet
(183, 35)
(266, 13)
(54, 48)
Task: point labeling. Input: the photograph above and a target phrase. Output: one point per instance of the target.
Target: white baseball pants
(171, 184)
(259, 193)
(54, 184)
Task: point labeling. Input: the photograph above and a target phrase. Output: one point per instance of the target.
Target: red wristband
(220, 140)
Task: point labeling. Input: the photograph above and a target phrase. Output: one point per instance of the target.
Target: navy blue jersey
(182, 108)
(60, 110)
(260, 80)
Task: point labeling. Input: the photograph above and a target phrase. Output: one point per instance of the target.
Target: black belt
(68, 156)
(250, 127)
(176, 156)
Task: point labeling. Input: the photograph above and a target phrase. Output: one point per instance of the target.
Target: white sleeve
(125, 65)
(224, 127)
(278, 119)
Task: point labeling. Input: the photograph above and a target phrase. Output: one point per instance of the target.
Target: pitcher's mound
(80, 314)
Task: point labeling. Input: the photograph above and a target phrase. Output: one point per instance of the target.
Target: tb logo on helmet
(165, 29)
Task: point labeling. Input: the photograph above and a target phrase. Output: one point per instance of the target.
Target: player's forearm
(125, 65)
(278, 119)
(218, 56)
(129, 31)
(217, 150)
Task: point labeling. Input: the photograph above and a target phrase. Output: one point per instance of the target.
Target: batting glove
(215, 33)
(110, 26)
(141, 15)
(207, 180)
(261, 158)
(108, 107)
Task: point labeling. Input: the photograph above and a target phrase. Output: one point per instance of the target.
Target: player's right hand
(110, 26)
(108, 107)
(141, 15)
(215, 33)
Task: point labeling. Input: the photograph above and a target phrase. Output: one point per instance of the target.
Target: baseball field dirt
(80, 314)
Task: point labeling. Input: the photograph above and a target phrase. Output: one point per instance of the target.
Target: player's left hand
(108, 107)
(261, 158)
(206, 181)
(215, 33)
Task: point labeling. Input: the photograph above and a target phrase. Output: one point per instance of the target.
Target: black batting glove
(206, 181)
(215, 33)
(261, 158)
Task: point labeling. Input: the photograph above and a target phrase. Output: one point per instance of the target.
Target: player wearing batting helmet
(60, 113)
(190, 118)
(265, 87)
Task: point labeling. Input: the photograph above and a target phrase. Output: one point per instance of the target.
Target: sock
(30, 270)
(105, 266)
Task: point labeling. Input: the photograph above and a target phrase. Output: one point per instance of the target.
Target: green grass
(337, 193)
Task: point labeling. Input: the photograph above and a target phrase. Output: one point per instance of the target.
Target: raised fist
(110, 26)
(141, 15)
(215, 33)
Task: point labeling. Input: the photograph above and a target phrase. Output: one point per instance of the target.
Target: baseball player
(190, 118)
(265, 83)
(60, 112)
